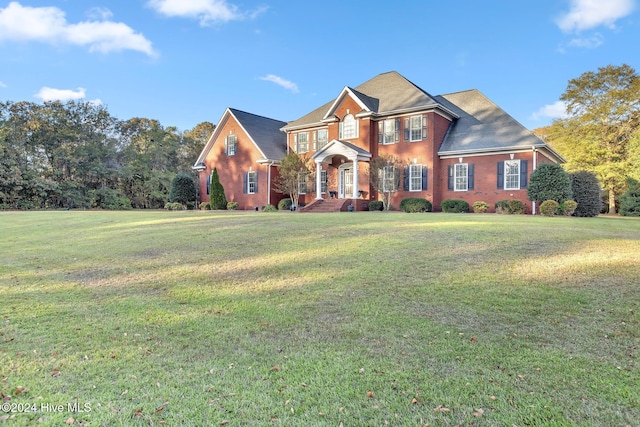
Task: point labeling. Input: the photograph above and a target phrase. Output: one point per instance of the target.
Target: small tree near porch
(384, 177)
(290, 169)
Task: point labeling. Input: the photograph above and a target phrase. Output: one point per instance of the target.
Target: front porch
(336, 205)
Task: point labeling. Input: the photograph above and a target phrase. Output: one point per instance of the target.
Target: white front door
(345, 186)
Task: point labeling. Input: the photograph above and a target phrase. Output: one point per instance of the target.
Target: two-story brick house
(454, 146)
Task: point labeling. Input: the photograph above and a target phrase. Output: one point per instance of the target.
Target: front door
(345, 186)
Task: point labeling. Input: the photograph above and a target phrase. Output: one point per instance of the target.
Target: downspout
(269, 180)
(535, 165)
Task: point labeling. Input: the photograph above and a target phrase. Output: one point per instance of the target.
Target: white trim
(504, 183)
(346, 91)
(455, 174)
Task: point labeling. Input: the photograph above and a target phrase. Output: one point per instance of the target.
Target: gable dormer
(366, 105)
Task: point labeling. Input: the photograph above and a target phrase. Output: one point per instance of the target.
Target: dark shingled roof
(265, 133)
(482, 126)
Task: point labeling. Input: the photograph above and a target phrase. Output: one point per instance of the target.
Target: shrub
(549, 182)
(454, 206)
(630, 200)
(173, 206)
(205, 206)
(549, 207)
(587, 193)
(516, 207)
(376, 205)
(502, 207)
(284, 204)
(415, 204)
(480, 207)
(269, 208)
(218, 199)
(232, 206)
(182, 189)
(567, 207)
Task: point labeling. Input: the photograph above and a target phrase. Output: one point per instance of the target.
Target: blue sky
(184, 61)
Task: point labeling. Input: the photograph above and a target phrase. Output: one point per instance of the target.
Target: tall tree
(601, 132)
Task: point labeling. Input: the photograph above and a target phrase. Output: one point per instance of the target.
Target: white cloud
(557, 110)
(51, 94)
(289, 85)
(586, 42)
(206, 11)
(588, 14)
(49, 25)
(2, 84)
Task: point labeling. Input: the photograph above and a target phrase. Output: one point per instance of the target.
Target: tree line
(77, 155)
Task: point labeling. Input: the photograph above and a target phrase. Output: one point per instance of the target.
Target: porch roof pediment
(341, 148)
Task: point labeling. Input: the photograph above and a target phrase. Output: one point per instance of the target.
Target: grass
(201, 318)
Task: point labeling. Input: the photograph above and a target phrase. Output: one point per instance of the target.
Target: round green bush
(516, 207)
(480, 207)
(205, 206)
(549, 182)
(549, 207)
(269, 208)
(376, 205)
(232, 206)
(568, 207)
(454, 206)
(415, 204)
(284, 204)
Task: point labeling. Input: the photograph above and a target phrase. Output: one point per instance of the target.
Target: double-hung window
(460, 177)
(301, 142)
(231, 145)
(415, 177)
(302, 182)
(389, 131)
(512, 174)
(389, 178)
(415, 128)
(348, 127)
(320, 138)
(252, 182)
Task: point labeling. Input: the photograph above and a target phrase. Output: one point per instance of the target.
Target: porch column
(318, 180)
(355, 178)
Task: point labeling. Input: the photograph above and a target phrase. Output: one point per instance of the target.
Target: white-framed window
(323, 181)
(512, 174)
(320, 138)
(415, 177)
(415, 128)
(348, 127)
(461, 177)
(252, 182)
(389, 178)
(303, 179)
(231, 145)
(301, 142)
(389, 131)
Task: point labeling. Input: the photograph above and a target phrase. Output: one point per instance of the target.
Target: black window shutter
(256, 182)
(523, 173)
(226, 146)
(397, 131)
(235, 145)
(380, 132)
(450, 180)
(406, 178)
(424, 178)
(470, 177)
(208, 184)
(245, 183)
(500, 175)
(407, 129)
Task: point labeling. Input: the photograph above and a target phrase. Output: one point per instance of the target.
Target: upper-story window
(231, 145)
(301, 142)
(389, 131)
(415, 128)
(320, 138)
(348, 127)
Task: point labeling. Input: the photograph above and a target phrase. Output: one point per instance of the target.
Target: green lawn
(359, 319)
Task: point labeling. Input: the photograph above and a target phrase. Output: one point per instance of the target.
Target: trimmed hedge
(415, 204)
(454, 206)
(269, 208)
(376, 205)
(232, 206)
(549, 207)
(480, 207)
(502, 207)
